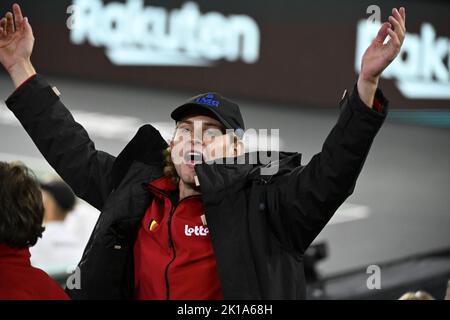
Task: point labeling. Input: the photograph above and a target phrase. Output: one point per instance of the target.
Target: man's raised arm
(310, 195)
(64, 143)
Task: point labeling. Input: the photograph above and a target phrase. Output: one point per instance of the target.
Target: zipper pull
(197, 183)
(203, 218)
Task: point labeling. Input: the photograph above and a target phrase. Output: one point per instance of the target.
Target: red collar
(164, 184)
(14, 256)
(162, 187)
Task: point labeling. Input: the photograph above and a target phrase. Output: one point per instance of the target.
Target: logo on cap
(208, 100)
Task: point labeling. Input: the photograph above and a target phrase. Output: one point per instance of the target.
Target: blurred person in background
(418, 295)
(190, 229)
(447, 293)
(60, 247)
(21, 217)
(423, 295)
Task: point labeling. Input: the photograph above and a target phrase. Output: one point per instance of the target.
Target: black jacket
(260, 225)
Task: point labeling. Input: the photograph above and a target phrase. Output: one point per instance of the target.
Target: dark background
(307, 50)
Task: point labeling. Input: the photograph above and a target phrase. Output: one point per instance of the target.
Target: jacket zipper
(169, 224)
(166, 271)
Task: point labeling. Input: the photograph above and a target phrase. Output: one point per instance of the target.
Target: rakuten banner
(300, 52)
(137, 35)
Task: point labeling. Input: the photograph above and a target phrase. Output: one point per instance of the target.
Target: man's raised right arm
(63, 142)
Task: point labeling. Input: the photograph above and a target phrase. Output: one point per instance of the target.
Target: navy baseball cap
(224, 110)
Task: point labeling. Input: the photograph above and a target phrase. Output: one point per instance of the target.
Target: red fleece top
(20, 281)
(175, 262)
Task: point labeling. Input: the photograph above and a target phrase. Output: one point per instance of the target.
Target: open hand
(16, 45)
(16, 38)
(379, 55)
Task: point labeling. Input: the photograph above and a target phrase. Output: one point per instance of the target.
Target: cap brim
(190, 109)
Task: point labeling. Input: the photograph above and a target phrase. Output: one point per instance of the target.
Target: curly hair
(21, 207)
(169, 167)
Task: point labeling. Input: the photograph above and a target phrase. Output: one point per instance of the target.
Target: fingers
(3, 27)
(399, 26)
(383, 32)
(9, 23)
(403, 14)
(394, 38)
(14, 22)
(18, 16)
(27, 27)
(396, 14)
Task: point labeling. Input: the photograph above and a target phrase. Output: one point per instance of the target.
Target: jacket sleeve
(63, 142)
(309, 195)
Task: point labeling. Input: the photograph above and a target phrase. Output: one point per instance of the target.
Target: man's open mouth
(193, 157)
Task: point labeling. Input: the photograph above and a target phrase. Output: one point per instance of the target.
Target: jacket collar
(146, 147)
(237, 172)
(13, 256)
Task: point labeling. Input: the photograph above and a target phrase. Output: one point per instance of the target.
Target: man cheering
(174, 226)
